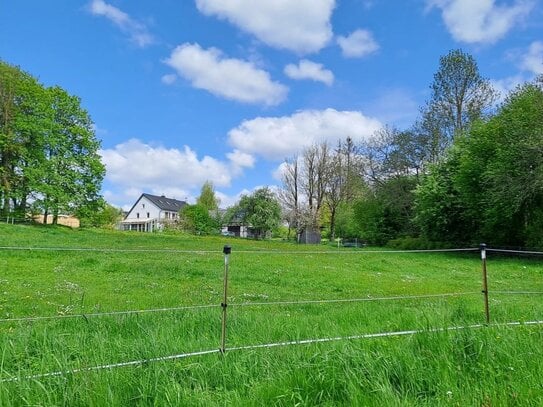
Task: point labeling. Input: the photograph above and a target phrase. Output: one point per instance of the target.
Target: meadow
(67, 296)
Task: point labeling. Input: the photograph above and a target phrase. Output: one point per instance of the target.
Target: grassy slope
(493, 366)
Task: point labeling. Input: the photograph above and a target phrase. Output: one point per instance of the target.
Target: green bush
(416, 243)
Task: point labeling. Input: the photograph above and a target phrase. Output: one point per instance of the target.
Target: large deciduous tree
(290, 194)
(196, 219)
(48, 150)
(23, 118)
(314, 181)
(70, 173)
(460, 95)
(343, 181)
(393, 160)
(317, 183)
(491, 186)
(501, 170)
(99, 215)
(207, 197)
(261, 211)
(392, 153)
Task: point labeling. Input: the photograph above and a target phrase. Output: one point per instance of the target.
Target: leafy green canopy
(196, 219)
(207, 197)
(260, 210)
(48, 150)
(491, 186)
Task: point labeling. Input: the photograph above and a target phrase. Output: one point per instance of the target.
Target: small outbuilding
(309, 236)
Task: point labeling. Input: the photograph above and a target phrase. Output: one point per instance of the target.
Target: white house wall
(146, 210)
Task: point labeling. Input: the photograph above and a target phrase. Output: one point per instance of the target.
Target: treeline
(260, 210)
(465, 172)
(49, 162)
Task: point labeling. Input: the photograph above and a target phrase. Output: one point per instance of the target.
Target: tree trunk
(333, 224)
(55, 218)
(288, 231)
(6, 189)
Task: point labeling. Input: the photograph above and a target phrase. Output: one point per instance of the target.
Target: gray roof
(164, 203)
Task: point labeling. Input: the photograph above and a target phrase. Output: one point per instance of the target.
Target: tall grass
(490, 366)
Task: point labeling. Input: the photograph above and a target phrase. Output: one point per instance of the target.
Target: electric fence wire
(111, 313)
(234, 304)
(106, 250)
(280, 252)
(399, 297)
(514, 251)
(267, 346)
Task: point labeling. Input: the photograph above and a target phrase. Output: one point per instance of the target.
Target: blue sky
(184, 91)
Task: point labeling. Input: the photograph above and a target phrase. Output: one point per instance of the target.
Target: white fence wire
(275, 303)
(264, 346)
(279, 252)
(240, 304)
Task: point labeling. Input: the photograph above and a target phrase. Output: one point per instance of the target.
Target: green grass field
(491, 366)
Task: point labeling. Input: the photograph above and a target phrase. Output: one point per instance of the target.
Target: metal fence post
(485, 282)
(226, 250)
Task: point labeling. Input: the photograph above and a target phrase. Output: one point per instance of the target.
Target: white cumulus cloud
(280, 171)
(241, 160)
(134, 164)
(230, 200)
(480, 21)
(134, 167)
(302, 26)
(357, 44)
(230, 78)
(276, 138)
(532, 61)
(309, 70)
(136, 30)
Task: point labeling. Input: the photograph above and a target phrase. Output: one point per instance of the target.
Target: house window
(138, 215)
(143, 206)
(148, 215)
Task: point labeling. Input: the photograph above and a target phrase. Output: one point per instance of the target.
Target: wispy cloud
(169, 79)
(136, 30)
(529, 61)
(532, 61)
(505, 85)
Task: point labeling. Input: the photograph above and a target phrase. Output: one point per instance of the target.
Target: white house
(151, 212)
